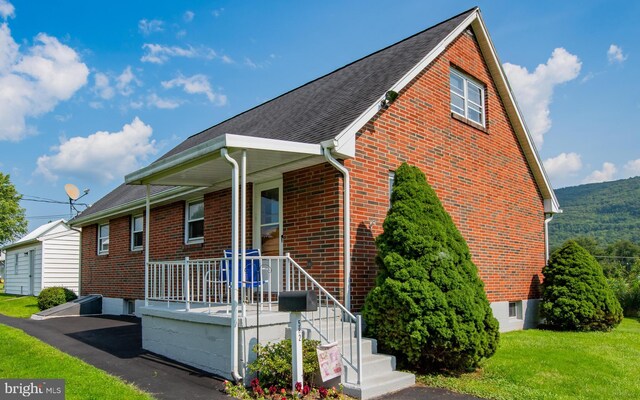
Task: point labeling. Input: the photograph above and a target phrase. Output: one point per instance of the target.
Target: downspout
(147, 212)
(549, 217)
(347, 222)
(234, 262)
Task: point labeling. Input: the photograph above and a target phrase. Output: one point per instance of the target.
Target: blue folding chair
(252, 269)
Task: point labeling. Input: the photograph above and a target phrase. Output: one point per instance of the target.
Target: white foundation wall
(203, 341)
(527, 315)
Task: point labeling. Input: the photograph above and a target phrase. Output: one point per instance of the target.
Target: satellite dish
(72, 191)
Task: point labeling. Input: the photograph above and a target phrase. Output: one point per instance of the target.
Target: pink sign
(330, 361)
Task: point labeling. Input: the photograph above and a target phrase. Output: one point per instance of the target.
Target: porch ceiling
(203, 165)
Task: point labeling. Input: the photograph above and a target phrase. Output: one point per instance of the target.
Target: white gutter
(546, 236)
(146, 244)
(234, 264)
(347, 223)
(243, 224)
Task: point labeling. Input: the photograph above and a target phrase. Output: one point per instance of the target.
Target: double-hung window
(103, 239)
(467, 97)
(194, 224)
(137, 234)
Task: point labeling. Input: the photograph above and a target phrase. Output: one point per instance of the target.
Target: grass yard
(26, 357)
(536, 364)
(18, 306)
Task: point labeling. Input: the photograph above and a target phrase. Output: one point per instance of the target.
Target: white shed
(47, 256)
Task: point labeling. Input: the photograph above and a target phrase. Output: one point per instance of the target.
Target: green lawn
(18, 306)
(26, 357)
(536, 364)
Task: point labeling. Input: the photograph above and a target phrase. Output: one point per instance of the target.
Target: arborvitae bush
(54, 296)
(575, 293)
(428, 307)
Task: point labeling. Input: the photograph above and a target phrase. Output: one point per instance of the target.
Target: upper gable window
(467, 97)
(194, 224)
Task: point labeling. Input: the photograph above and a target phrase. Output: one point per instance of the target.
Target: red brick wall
(482, 179)
(121, 272)
(313, 223)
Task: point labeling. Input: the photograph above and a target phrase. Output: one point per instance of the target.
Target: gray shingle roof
(316, 111)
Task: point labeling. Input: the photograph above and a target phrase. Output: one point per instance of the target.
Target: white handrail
(207, 282)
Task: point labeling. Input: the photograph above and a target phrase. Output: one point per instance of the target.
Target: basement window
(515, 309)
(103, 239)
(194, 224)
(467, 97)
(137, 234)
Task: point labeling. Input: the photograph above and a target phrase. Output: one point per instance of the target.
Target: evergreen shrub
(54, 296)
(575, 293)
(428, 307)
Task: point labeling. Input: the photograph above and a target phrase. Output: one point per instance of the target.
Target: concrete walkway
(114, 344)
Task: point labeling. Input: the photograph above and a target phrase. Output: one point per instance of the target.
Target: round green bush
(575, 293)
(54, 296)
(428, 307)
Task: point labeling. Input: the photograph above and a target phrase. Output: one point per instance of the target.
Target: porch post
(146, 246)
(234, 263)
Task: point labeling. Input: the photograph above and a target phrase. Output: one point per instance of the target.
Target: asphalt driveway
(114, 344)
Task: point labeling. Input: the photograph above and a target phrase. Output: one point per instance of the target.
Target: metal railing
(207, 282)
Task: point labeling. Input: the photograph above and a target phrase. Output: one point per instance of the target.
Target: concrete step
(373, 366)
(380, 385)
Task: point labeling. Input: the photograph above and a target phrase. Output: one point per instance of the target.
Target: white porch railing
(207, 283)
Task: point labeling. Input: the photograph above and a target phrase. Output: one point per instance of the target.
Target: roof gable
(48, 228)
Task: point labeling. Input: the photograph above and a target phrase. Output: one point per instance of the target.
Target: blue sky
(90, 91)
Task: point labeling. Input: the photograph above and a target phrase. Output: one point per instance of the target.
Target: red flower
(323, 393)
(306, 390)
(273, 390)
(255, 382)
(283, 391)
(298, 386)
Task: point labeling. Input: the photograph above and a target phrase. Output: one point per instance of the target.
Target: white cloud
(104, 156)
(196, 84)
(632, 168)
(615, 54)
(96, 105)
(153, 100)
(534, 90)
(563, 165)
(159, 54)
(607, 173)
(33, 82)
(217, 12)
(6, 9)
(226, 59)
(249, 63)
(101, 86)
(125, 81)
(148, 27)
(188, 16)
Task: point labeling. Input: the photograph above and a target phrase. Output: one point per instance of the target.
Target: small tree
(575, 293)
(428, 307)
(12, 220)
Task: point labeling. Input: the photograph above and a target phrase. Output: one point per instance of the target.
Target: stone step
(375, 386)
(373, 365)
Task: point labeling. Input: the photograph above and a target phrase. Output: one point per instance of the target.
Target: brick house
(309, 173)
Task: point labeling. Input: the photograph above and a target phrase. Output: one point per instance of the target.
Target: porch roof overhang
(203, 166)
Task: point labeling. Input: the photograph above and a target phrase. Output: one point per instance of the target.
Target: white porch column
(146, 246)
(234, 263)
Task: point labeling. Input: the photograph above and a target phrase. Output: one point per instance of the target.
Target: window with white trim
(515, 309)
(467, 97)
(137, 232)
(103, 239)
(194, 224)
